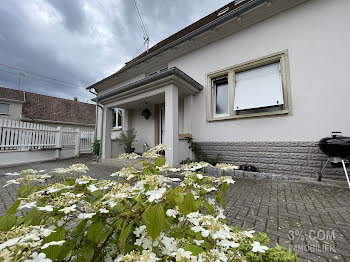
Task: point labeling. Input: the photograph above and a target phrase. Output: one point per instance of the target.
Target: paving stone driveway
(314, 217)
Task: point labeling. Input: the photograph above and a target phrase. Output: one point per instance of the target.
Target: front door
(162, 125)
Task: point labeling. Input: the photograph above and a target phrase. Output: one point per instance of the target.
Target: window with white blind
(4, 109)
(259, 87)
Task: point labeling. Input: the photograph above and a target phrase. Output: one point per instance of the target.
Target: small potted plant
(127, 138)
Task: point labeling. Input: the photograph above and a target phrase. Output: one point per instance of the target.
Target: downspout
(96, 125)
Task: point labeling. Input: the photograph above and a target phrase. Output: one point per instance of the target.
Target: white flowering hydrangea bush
(139, 215)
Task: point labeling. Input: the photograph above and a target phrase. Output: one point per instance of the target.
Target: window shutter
(259, 87)
(4, 108)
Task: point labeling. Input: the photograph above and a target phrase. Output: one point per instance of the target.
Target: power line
(15, 68)
(36, 79)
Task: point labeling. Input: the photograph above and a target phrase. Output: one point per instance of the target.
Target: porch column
(107, 132)
(171, 124)
(188, 114)
(126, 119)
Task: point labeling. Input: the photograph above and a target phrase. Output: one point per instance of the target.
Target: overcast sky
(82, 41)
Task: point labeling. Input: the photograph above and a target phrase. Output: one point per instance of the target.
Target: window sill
(275, 113)
(185, 136)
(117, 128)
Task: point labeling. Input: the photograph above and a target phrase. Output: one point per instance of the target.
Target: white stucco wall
(123, 83)
(15, 111)
(144, 127)
(317, 37)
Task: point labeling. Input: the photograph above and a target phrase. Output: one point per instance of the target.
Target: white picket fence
(24, 136)
(86, 140)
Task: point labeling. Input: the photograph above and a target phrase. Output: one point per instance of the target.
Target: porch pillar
(188, 100)
(126, 119)
(171, 124)
(107, 132)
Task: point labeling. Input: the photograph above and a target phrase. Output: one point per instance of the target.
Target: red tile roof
(49, 108)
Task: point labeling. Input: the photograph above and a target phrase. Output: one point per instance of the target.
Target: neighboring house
(47, 110)
(257, 81)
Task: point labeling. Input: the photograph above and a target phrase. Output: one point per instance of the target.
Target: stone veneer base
(279, 158)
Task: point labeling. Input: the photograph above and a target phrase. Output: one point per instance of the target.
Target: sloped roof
(196, 26)
(49, 108)
(192, 27)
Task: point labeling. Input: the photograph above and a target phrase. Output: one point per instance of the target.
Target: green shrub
(138, 217)
(127, 138)
(96, 147)
(201, 155)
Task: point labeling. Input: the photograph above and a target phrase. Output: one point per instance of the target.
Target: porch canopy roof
(186, 84)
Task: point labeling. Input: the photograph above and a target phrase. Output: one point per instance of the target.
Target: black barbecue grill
(337, 148)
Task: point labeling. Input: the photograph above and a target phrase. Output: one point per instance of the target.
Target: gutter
(236, 12)
(173, 71)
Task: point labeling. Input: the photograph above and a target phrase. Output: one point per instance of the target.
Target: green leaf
(96, 194)
(194, 249)
(87, 253)
(118, 225)
(52, 252)
(7, 222)
(14, 207)
(94, 230)
(80, 228)
(208, 207)
(102, 237)
(179, 198)
(66, 249)
(154, 220)
(33, 217)
(22, 190)
(125, 234)
(160, 161)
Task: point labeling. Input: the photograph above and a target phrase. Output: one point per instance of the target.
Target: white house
(259, 81)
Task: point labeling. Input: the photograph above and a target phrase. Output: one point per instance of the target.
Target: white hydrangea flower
(198, 242)
(171, 213)
(199, 176)
(249, 233)
(67, 210)
(104, 210)
(182, 253)
(227, 243)
(53, 243)
(86, 215)
(10, 182)
(257, 247)
(169, 245)
(9, 243)
(139, 230)
(47, 208)
(27, 205)
(84, 180)
(155, 194)
(12, 174)
(92, 188)
(35, 257)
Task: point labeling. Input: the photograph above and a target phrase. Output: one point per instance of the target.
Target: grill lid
(335, 146)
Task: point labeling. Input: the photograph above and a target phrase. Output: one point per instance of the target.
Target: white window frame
(285, 109)
(116, 112)
(214, 91)
(8, 111)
